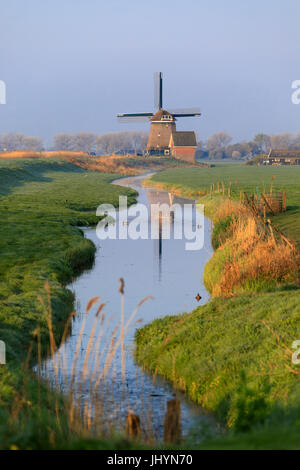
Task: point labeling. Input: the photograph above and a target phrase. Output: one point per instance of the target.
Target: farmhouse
(283, 157)
(183, 145)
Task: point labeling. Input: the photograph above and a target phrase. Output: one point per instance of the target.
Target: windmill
(163, 126)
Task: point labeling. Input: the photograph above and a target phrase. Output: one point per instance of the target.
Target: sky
(72, 65)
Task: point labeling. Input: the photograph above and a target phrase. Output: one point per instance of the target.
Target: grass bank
(120, 164)
(197, 183)
(234, 355)
(42, 204)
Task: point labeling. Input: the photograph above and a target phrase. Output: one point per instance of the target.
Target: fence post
(133, 426)
(229, 191)
(172, 425)
(271, 230)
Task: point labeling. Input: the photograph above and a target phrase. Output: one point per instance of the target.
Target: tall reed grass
(249, 257)
(33, 154)
(85, 400)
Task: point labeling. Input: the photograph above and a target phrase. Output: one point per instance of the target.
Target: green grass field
(206, 352)
(42, 203)
(234, 355)
(243, 178)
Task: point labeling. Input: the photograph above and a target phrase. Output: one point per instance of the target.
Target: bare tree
(84, 141)
(200, 145)
(281, 141)
(105, 143)
(80, 142)
(218, 140)
(263, 141)
(33, 143)
(244, 149)
(236, 155)
(63, 142)
(138, 141)
(121, 142)
(295, 145)
(12, 141)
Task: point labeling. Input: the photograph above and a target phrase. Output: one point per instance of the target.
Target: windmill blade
(123, 119)
(158, 90)
(121, 115)
(185, 112)
(134, 117)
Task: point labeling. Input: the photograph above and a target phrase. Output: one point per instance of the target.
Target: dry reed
(87, 412)
(254, 254)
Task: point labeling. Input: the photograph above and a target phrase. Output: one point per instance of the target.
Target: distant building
(283, 157)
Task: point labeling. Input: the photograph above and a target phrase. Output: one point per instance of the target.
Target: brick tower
(161, 128)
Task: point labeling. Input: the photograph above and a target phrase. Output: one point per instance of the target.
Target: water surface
(163, 269)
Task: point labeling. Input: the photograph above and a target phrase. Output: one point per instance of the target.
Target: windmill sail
(158, 90)
(158, 103)
(134, 117)
(185, 112)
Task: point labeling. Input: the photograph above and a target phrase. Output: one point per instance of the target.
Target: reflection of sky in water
(159, 268)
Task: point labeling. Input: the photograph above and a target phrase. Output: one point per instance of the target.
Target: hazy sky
(72, 65)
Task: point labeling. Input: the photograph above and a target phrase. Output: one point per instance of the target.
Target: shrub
(81, 255)
(220, 232)
(248, 258)
(250, 406)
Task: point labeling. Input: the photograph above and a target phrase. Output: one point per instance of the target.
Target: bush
(81, 255)
(250, 406)
(220, 232)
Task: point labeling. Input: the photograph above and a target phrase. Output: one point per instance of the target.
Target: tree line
(9, 142)
(105, 144)
(218, 146)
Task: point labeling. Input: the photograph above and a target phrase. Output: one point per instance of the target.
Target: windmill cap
(160, 113)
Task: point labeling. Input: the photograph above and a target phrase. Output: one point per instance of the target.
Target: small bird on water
(198, 297)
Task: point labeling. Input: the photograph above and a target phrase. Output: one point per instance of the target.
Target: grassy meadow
(197, 182)
(120, 164)
(231, 356)
(42, 204)
(234, 355)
